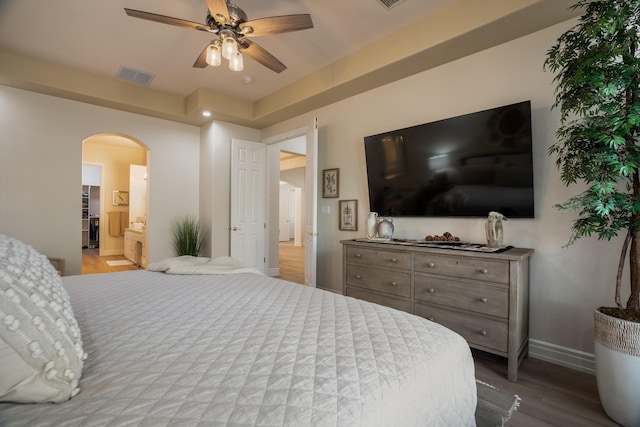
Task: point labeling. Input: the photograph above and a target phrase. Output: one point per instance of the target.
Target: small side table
(58, 264)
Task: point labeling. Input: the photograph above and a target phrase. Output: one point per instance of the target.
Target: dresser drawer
(379, 258)
(468, 292)
(376, 279)
(478, 331)
(463, 267)
(478, 297)
(397, 303)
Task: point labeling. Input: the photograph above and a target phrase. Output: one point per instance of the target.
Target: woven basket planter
(617, 350)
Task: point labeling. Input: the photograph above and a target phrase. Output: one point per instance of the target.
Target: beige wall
(566, 283)
(215, 179)
(114, 159)
(40, 159)
(41, 170)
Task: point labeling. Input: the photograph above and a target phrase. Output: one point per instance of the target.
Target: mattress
(244, 350)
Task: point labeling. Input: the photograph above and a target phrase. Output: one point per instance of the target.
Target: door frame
(102, 209)
(310, 164)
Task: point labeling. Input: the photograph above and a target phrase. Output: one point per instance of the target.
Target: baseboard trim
(563, 356)
(111, 252)
(273, 272)
(335, 291)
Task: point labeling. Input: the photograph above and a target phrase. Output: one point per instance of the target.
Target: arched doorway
(116, 228)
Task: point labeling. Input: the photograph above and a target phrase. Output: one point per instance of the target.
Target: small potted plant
(188, 237)
(598, 93)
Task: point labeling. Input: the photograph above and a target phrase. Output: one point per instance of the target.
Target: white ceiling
(98, 37)
(74, 44)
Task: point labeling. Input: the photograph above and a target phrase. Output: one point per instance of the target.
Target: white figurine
(372, 225)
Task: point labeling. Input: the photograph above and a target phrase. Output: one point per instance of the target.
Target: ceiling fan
(233, 29)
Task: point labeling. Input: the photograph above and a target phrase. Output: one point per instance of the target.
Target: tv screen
(464, 166)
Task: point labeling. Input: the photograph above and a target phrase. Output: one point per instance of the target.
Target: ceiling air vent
(135, 76)
(390, 3)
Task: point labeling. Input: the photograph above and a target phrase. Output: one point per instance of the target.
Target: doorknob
(236, 228)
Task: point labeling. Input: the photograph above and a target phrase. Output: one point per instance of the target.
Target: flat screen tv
(465, 166)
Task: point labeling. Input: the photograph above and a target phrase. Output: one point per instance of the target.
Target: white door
(292, 213)
(284, 218)
(298, 230)
(137, 193)
(311, 218)
(248, 188)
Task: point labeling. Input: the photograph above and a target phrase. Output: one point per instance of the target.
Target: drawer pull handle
(483, 333)
(484, 271)
(431, 265)
(358, 255)
(484, 300)
(358, 276)
(394, 284)
(431, 290)
(394, 260)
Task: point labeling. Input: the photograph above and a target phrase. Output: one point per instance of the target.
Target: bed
(244, 349)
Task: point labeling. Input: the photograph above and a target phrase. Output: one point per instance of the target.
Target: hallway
(291, 262)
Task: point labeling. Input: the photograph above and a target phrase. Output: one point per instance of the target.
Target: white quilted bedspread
(244, 350)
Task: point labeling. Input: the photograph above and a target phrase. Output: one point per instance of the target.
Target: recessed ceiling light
(247, 79)
(206, 113)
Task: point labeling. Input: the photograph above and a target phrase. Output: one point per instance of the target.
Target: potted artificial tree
(598, 93)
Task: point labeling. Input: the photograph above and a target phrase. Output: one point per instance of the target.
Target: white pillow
(41, 354)
(167, 263)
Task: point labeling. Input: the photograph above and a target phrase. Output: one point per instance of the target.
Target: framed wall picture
(348, 215)
(120, 198)
(330, 183)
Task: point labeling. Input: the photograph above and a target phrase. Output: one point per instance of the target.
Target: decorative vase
(372, 221)
(385, 227)
(494, 234)
(617, 351)
(493, 229)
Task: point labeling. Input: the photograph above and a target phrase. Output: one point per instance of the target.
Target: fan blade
(276, 25)
(167, 20)
(219, 11)
(261, 55)
(201, 62)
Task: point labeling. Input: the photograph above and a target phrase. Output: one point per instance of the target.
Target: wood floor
(291, 262)
(552, 395)
(93, 263)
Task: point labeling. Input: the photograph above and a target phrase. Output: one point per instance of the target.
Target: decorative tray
(444, 244)
(440, 242)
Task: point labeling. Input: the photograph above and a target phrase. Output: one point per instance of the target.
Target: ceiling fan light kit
(229, 46)
(214, 55)
(236, 62)
(233, 30)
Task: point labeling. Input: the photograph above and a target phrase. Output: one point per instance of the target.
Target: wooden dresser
(482, 296)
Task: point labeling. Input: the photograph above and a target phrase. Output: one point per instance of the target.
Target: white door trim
(311, 196)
